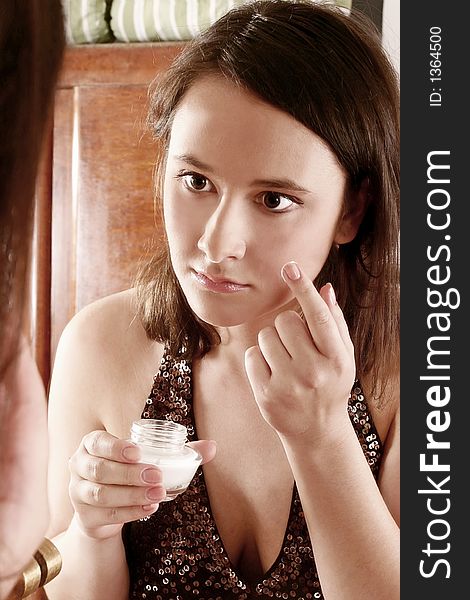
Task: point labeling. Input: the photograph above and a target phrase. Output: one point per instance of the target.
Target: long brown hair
(329, 71)
(31, 46)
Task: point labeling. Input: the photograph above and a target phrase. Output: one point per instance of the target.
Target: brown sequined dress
(177, 553)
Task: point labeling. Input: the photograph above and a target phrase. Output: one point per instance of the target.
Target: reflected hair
(32, 41)
(329, 71)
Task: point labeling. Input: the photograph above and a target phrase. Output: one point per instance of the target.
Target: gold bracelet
(41, 569)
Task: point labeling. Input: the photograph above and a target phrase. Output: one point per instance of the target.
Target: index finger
(105, 445)
(320, 321)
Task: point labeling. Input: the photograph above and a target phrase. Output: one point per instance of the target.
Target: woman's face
(247, 188)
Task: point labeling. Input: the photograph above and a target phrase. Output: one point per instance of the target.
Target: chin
(221, 317)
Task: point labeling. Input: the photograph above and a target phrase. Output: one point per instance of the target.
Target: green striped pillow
(86, 21)
(170, 20)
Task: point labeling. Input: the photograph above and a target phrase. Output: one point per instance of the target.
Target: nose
(224, 233)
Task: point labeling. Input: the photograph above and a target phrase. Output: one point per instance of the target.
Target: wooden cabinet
(94, 212)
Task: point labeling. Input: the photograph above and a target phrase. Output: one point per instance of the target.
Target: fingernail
(292, 271)
(131, 453)
(150, 507)
(155, 493)
(331, 294)
(151, 476)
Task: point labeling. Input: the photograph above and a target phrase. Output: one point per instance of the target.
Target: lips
(218, 284)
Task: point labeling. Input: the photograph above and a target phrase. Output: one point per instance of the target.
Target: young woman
(31, 47)
(272, 309)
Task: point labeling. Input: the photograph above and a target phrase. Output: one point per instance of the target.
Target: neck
(236, 340)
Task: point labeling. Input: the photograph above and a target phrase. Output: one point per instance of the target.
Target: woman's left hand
(301, 373)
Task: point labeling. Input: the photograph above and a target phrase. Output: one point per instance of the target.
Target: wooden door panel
(95, 215)
(63, 281)
(103, 217)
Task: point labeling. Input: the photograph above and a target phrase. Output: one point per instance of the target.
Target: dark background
(425, 129)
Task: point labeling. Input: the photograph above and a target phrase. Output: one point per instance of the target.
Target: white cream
(163, 444)
(177, 469)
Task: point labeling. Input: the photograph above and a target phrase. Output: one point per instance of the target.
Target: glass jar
(164, 444)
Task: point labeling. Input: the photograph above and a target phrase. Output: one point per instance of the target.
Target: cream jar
(164, 444)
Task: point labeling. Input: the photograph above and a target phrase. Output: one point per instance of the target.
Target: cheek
(181, 225)
(309, 247)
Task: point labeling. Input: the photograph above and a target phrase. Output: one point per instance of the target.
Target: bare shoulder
(386, 411)
(105, 351)
(387, 419)
(105, 319)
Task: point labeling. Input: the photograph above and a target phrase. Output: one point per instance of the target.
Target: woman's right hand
(109, 486)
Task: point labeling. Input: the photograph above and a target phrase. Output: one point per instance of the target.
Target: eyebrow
(281, 184)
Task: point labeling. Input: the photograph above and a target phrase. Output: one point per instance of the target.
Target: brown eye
(195, 182)
(276, 202)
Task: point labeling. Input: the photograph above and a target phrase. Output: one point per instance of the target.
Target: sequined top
(177, 553)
